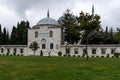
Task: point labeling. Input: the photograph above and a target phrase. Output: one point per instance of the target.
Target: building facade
(48, 34)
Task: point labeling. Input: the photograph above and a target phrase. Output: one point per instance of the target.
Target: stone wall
(93, 50)
(13, 50)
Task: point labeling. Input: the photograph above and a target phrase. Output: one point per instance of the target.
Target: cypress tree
(4, 36)
(13, 37)
(0, 35)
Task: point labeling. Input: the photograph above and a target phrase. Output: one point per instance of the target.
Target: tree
(4, 35)
(1, 41)
(13, 37)
(25, 33)
(70, 27)
(88, 23)
(19, 33)
(7, 38)
(116, 35)
(34, 46)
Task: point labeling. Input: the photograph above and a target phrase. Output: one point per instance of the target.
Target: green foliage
(13, 38)
(117, 54)
(70, 27)
(100, 37)
(74, 56)
(117, 35)
(18, 35)
(60, 53)
(108, 55)
(34, 46)
(88, 24)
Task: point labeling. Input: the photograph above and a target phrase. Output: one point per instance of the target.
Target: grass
(58, 68)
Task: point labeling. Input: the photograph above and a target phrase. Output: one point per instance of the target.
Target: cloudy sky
(12, 11)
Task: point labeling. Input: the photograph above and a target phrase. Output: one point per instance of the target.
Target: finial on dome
(48, 13)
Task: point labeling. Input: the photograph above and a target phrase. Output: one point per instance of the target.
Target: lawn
(58, 68)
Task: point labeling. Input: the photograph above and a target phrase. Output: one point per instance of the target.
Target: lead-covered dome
(47, 21)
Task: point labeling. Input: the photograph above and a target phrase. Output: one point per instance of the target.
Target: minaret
(48, 13)
(93, 10)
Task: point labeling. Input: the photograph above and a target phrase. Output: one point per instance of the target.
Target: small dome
(47, 21)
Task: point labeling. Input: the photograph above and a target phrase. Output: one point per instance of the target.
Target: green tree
(116, 35)
(4, 35)
(13, 37)
(70, 27)
(88, 23)
(1, 41)
(25, 33)
(34, 46)
(20, 33)
(7, 38)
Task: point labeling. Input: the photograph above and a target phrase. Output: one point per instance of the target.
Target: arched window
(36, 34)
(51, 34)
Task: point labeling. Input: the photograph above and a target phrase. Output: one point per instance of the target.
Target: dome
(47, 21)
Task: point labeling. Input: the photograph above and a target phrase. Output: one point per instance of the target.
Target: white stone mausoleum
(48, 34)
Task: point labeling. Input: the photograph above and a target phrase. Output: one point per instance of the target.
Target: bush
(93, 56)
(102, 56)
(117, 54)
(74, 56)
(18, 54)
(78, 56)
(21, 54)
(60, 53)
(108, 56)
(97, 56)
(112, 56)
(83, 55)
(14, 54)
(69, 55)
(11, 55)
(7, 54)
(64, 55)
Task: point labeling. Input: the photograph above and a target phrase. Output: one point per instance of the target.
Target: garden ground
(58, 68)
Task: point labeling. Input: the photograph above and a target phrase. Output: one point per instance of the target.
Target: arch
(36, 34)
(51, 34)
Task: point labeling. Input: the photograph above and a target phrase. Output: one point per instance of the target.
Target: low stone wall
(13, 49)
(93, 50)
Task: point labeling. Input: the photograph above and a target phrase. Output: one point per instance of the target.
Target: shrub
(102, 56)
(74, 56)
(18, 54)
(108, 56)
(21, 54)
(7, 54)
(117, 54)
(93, 56)
(14, 54)
(69, 55)
(11, 54)
(60, 53)
(78, 56)
(83, 55)
(112, 56)
(64, 55)
(97, 56)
